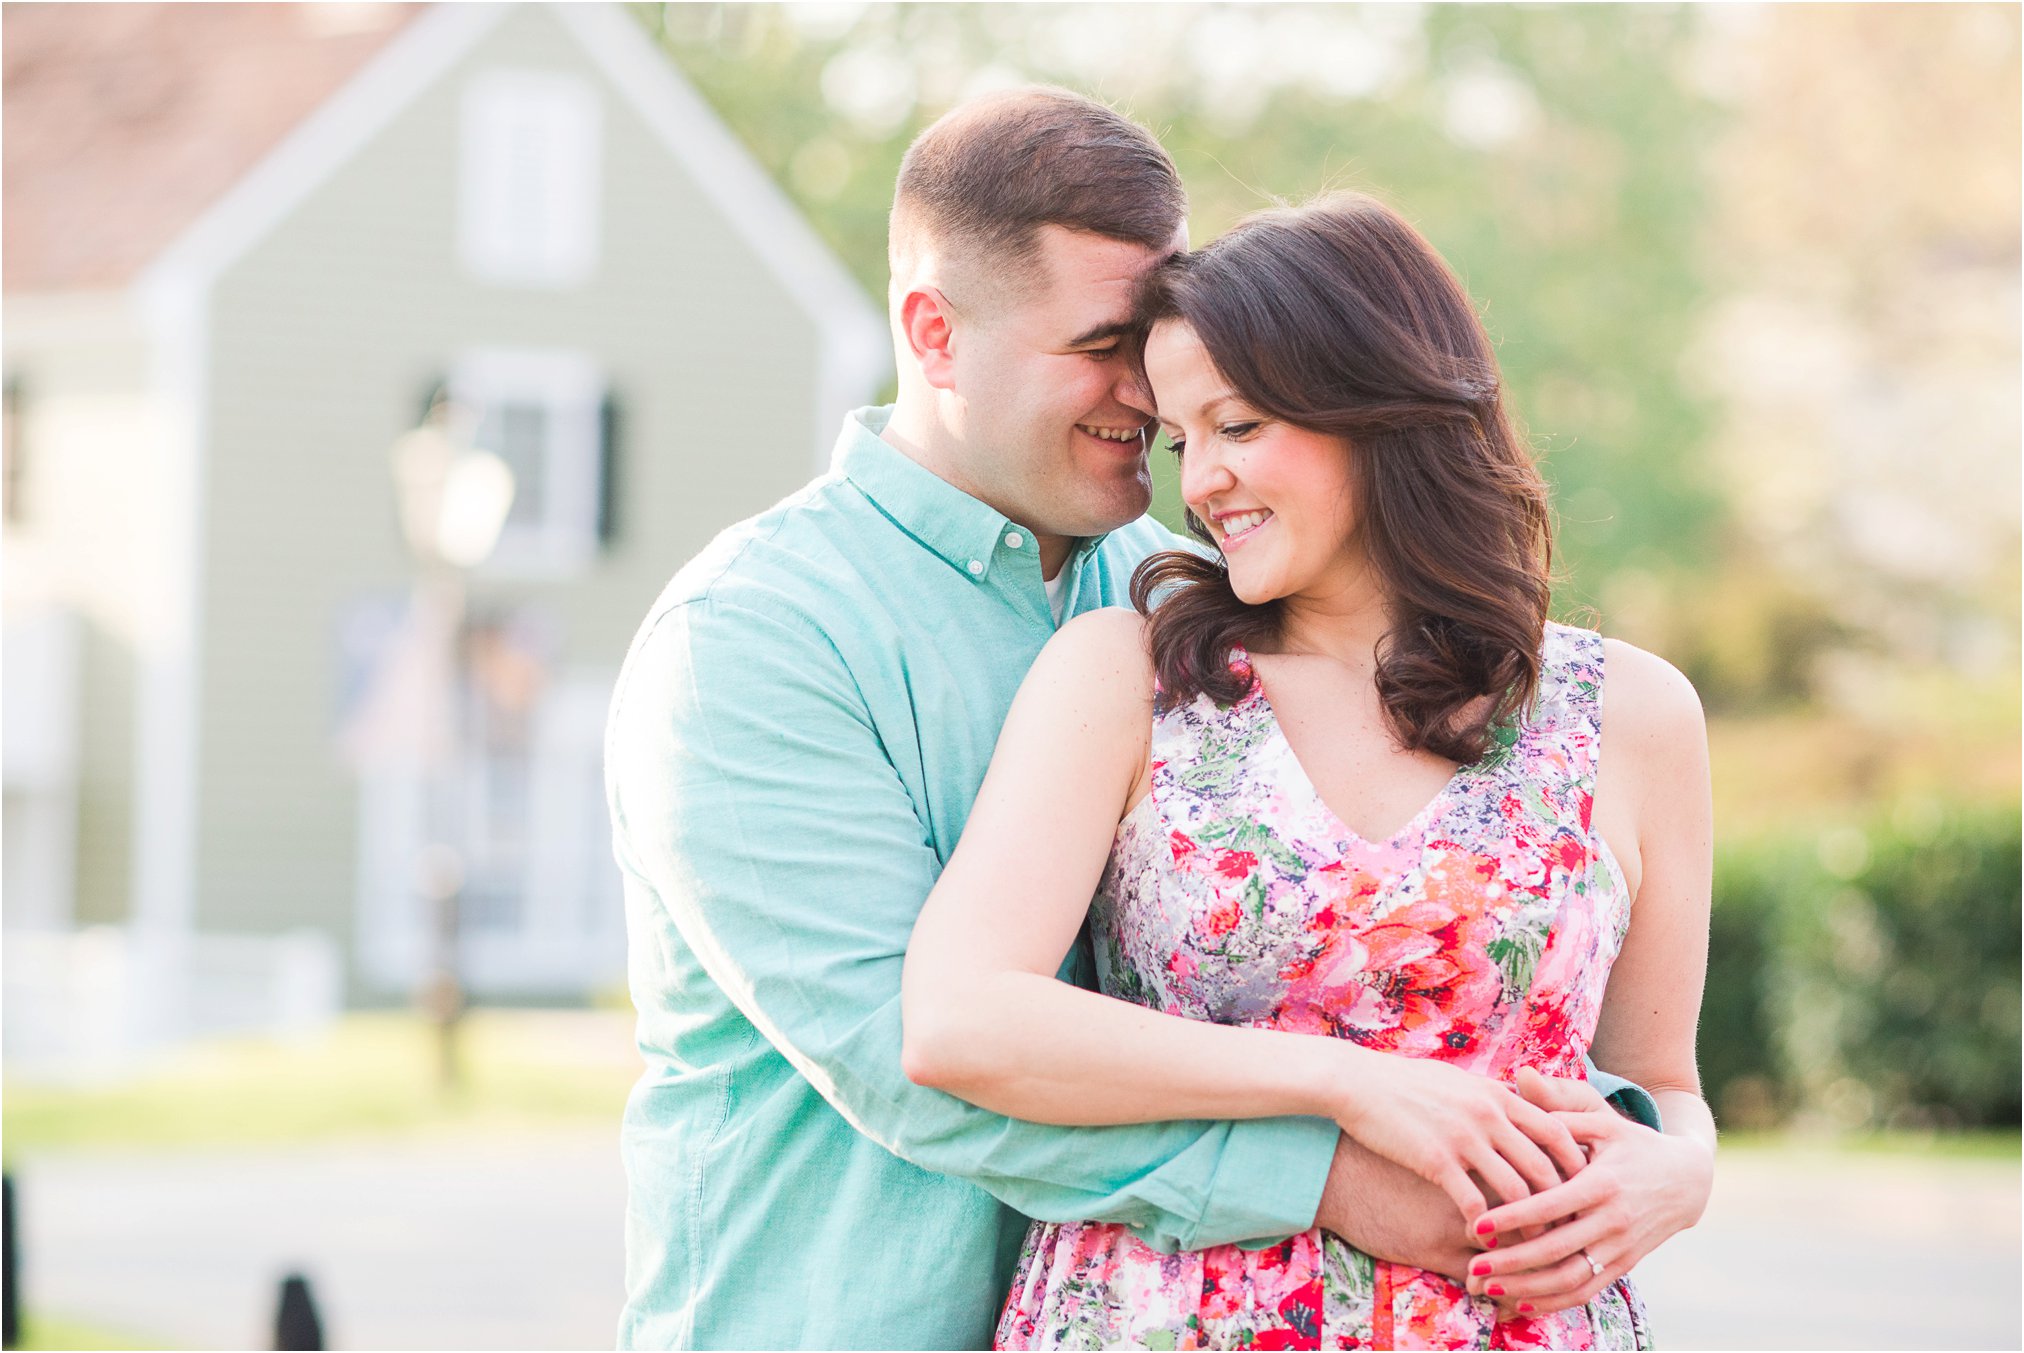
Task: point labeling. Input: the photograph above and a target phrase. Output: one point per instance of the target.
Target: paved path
(426, 1243)
(514, 1242)
(1844, 1251)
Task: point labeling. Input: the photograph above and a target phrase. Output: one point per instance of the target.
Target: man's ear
(930, 328)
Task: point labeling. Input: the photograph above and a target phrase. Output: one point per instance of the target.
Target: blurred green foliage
(1578, 240)
(1868, 977)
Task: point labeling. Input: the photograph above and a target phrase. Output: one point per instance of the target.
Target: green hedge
(1868, 977)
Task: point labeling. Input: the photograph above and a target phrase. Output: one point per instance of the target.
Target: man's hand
(1638, 1190)
(1390, 1213)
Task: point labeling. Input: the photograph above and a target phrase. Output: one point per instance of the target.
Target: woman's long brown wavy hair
(1339, 318)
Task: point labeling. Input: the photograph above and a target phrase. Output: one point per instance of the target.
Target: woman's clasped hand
(1470, 1136)
(1560, 1246)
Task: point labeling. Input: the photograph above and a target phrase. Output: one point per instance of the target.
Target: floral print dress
(1480, 933)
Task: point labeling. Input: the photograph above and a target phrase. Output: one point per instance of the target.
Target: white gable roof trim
(856, 354)
(318, 147)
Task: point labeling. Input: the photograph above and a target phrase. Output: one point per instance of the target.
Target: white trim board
(166, 694)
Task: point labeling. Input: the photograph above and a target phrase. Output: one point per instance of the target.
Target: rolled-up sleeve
(754, 798)
(1632, 1100)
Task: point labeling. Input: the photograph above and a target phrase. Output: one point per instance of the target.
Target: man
(795, 742)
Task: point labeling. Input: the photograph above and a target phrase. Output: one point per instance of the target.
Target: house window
(530, 179)
(542, 905)
(546, 414)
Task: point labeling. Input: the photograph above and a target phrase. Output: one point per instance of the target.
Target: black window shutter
(610, 423)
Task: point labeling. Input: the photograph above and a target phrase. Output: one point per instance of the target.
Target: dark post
(443, 994)
(10, 1267)
(444, 885)
(296, 1324)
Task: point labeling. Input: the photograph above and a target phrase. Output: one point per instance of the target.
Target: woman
(1345, 780)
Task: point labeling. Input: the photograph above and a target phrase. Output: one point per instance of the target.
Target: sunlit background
(368, 368)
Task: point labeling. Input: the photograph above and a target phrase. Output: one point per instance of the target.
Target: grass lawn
(50, 1331)
(375, 1073)
(372, 1073)
(1981, 1144)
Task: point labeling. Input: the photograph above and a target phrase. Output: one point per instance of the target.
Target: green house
(244, 248)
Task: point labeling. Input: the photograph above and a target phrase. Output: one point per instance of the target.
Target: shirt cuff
(1630, 1098)
(1268, 1182)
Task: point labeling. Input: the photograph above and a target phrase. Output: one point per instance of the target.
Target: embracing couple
(1247, 1001)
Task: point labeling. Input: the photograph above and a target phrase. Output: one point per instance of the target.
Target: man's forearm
(1390, 1213)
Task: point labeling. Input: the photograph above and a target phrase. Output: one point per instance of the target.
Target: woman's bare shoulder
(1106, 646)
(1648, 701)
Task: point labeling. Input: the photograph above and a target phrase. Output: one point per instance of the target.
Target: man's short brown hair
(980, 183)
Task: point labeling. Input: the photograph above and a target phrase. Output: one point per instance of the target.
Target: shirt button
(1013, 540)
(976, 567)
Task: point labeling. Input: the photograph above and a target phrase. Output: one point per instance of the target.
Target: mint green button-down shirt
(795, 742)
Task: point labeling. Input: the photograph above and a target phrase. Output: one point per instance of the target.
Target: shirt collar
(970, 535)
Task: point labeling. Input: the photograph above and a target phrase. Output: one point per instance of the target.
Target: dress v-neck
(1415, 825)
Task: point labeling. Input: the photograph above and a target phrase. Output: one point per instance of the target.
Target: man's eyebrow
(1102, 333)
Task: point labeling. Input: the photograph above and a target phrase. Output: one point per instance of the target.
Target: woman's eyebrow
(1207, 409)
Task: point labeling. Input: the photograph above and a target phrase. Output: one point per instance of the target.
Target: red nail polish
(1480, 1268)
(1495, 1289)
(1526, 1307)
(1484, 1228)
(1490, 1244)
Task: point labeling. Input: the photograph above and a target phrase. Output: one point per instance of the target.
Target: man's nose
(1132, 391)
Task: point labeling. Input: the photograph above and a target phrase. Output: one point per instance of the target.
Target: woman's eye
(1236, 432)
(1177, 446)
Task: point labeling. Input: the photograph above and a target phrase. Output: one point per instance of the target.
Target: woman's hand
(1638, 1189)
(1459, 1131)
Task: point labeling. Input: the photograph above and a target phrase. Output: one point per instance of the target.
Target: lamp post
(453, 499)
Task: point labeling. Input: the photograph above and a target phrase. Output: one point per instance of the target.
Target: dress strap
(1198, 746)
(1561, 742)
(1238, 662)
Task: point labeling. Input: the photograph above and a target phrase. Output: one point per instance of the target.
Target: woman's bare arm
(1640, 1187)
(987, 1019)
(1652, 1009)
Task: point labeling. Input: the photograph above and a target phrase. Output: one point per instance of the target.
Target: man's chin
(1094, 505)
(1121, 510)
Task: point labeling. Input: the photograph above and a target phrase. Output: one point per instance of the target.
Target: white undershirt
(1057, 592)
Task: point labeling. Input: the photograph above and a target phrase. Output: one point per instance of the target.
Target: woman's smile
(1239, 527)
